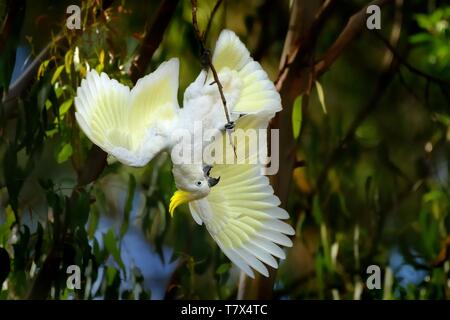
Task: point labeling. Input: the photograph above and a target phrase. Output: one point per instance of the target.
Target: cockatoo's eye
(198, 183)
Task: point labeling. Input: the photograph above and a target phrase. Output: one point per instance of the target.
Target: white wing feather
(241, 212)
(258, 93)
(131, 125)
(246, 86)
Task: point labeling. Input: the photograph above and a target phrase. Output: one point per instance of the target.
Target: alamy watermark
(374, 19)
(212, 146)
(74, 277)
(73, 22)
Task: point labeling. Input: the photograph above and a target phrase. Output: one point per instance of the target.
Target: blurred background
(364, 151)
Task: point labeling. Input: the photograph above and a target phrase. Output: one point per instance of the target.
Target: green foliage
(434, 39)
(385, 192)
(297, 117)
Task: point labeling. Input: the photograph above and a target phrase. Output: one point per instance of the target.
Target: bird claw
(229, 125)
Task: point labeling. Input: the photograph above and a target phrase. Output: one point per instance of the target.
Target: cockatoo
(233, 200)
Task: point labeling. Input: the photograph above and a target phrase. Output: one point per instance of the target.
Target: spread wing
(257, 92)
(241, 213)
(131, 125)
(246, 86)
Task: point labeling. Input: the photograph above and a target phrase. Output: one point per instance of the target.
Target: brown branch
(382, 84)
(443, 85)
(207, 60)
(305, 25)
(9, 100)
(409, 66)
(301, 41)
(211, 18)
(304, 30)
(354, 26)
(154, 32)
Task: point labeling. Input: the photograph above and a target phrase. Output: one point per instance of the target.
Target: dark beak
(206, 170)
(213, 181)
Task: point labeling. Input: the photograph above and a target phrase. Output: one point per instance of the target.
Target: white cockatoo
(240, 211)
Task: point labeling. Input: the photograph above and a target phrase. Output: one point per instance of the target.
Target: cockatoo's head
(193, 183)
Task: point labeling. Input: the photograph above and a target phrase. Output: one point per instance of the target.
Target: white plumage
(241, 212)
(132, 125)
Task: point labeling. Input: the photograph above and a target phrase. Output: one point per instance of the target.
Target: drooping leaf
(112, 246)
(56, 74)
(297, 117)
(223, 268)
(65, 153)
(68, 57)
(321, 96)
(65, 106)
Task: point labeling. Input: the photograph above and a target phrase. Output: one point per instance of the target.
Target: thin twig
(154, 32)
(405, 63)
(211, 18)
(354, 26)
(430, 78)
(222, 96)
(207, 61)
(282, 71)
(301, 42)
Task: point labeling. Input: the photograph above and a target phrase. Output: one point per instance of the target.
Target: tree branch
(210, 20)
(354, 26)
(9, 100)
(207, 61)
(154, 32)
(383, 82)
(443, 85)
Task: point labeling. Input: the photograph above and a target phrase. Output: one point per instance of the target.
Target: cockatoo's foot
(229, 125)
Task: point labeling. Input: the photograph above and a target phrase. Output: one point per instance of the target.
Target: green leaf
(56, 74)
(316, 211)
(321, 96)
(48, 104)
(42, 67)
(101, 59)
(68, 60)
(223, 268)
(64, 153)
(297, 117)
(5, 227)
(110, 242)
(65, 106)
(420, 38)
(128, 205)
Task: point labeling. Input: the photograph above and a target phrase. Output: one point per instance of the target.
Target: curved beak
(207, 170)
(178, 198)
(213, 181)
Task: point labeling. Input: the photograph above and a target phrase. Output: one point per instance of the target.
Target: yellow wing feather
(131, 125)
(258, 93)
(241, 213)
